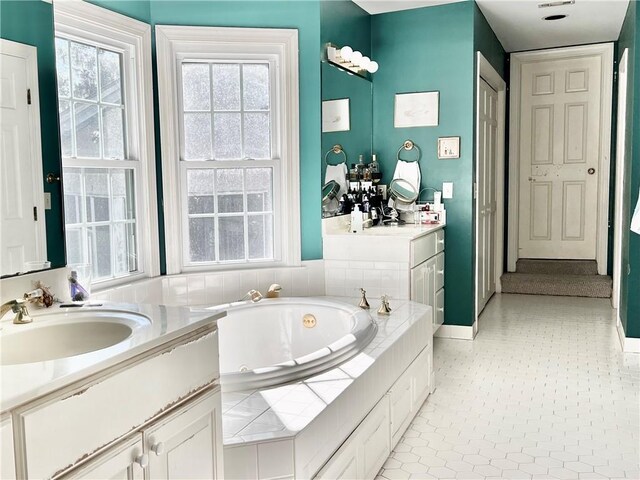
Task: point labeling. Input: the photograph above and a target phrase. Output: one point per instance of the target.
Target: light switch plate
(47, 201)
(447, 189)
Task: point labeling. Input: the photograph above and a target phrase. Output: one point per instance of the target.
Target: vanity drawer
(422, 249)
(64, 428)
(438, 317)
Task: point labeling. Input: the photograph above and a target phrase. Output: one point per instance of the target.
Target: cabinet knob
(158, 448)
(142, 460)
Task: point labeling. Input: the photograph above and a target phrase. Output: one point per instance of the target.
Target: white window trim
(81, 20)
(176, 42)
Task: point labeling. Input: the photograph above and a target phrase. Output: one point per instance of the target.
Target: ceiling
(519, 26)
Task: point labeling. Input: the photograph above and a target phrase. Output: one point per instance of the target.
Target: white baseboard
(628, 344)
(459, 332)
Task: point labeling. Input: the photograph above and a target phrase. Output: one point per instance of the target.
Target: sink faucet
(19, 307)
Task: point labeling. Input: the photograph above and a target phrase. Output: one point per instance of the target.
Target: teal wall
(342, 22)
(485, 41)
(432, 49)
(304, 16)
(31, 22)
(630, 286)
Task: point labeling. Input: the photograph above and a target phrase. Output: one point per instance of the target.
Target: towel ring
(409, 145)
(336, 150)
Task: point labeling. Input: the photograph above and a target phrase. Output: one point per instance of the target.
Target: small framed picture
(449, 147)
(335, 115)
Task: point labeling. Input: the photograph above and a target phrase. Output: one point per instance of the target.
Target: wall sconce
(351, 60)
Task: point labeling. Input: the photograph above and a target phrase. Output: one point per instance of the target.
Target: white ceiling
(519, 26)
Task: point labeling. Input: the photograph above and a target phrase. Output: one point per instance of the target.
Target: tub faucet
(274, 291)
(19, 307)
(253, 295)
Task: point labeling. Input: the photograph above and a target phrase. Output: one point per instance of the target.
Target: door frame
(30, 56)
(605, 52)
(485, 70)
(621, 125)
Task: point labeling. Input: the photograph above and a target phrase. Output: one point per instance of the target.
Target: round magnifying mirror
(403, 190)
(330, 191)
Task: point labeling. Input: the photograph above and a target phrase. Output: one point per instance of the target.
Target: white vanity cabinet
(156, 415)
(427, 274)
(404, 262)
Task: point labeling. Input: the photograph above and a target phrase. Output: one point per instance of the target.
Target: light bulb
(356, 57)
(373, 67)
(346, 52)
(364, 63)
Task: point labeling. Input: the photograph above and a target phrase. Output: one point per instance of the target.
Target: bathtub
(282, 340)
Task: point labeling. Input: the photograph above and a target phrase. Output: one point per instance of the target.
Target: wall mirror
(357, 140)
(31, 225)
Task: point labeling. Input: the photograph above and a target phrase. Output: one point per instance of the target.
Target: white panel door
(559, 155)
(21, 232)
(486, 194)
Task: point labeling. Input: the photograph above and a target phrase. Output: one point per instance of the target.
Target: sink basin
(62, 335)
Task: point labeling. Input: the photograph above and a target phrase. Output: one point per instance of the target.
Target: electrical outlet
(47, 201)
(447, 190)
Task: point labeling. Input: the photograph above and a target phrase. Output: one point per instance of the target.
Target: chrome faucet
(19, 307)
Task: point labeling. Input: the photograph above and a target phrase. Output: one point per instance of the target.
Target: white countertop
(24, 382)
(338, 226)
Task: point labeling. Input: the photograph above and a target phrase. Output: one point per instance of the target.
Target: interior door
(486, 194)
(21, 226)
(560, 103)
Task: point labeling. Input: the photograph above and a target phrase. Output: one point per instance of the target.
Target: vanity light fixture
(350, 60)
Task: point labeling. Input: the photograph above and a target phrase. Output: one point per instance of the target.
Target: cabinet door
(418, 285)
(430, 286)
(7, 462)
(188, 443)
(343, 465)
(124, 461)
(375, 440)
(438, 316)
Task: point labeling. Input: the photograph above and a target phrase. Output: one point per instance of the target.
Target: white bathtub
(266, 343)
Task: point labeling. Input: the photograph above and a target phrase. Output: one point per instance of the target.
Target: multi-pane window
(99, 177)
(227, 162)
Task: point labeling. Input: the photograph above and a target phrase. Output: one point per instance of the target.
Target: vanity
(146, 407)
(403, 262)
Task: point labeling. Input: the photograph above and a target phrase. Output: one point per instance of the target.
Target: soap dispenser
(356, 219)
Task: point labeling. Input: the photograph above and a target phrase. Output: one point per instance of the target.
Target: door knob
(158, 448)
(142, 460)
(591, 171)
(52, 177)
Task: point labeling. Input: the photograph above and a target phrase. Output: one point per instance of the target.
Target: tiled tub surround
(292, 430)
(216, 288)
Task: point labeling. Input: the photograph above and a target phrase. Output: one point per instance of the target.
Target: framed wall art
(416, 109)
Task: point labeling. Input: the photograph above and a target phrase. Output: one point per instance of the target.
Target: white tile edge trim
(628, 344)
(459, 332)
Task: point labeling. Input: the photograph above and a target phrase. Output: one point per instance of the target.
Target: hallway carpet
(575, 278)
(543, 392)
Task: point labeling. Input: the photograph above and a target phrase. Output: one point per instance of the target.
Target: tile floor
(543, 392)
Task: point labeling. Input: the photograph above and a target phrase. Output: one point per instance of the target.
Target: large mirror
(31, 220)
(347, 99)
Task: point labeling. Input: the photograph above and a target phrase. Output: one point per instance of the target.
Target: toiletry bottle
(78, 293)
(374, 166)
(360, 167)
(353, 173)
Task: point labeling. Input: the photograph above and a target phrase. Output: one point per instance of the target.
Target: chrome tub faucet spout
(274, 291)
